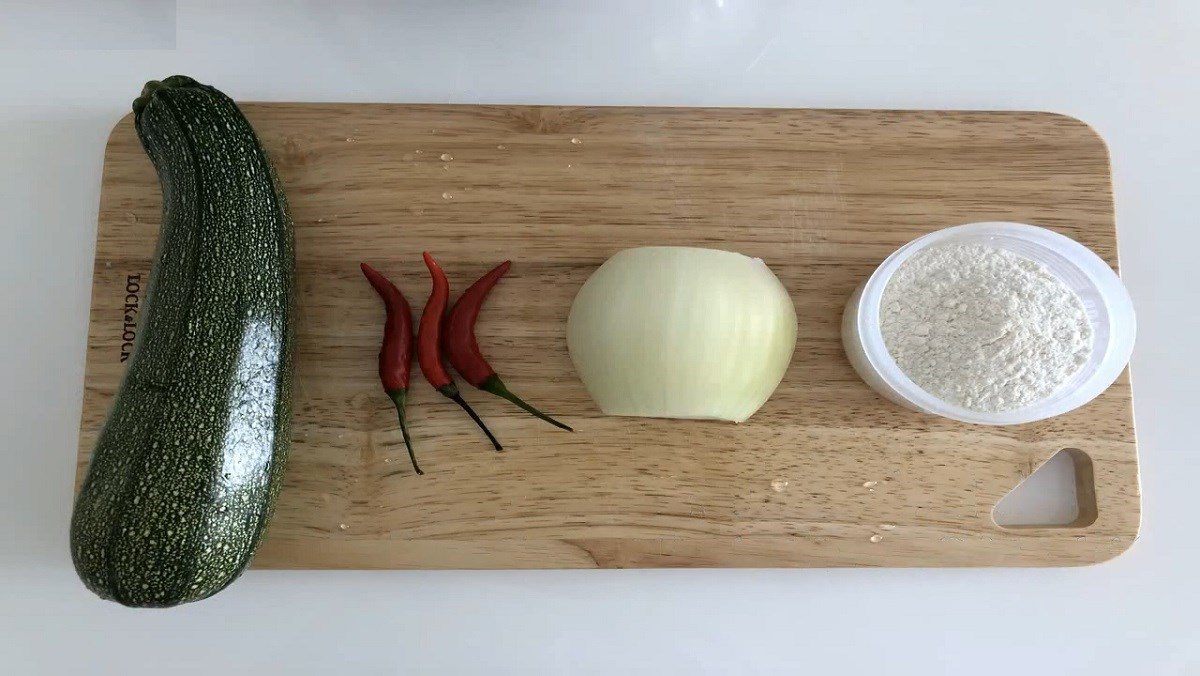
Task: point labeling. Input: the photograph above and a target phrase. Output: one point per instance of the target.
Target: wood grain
(822, 196)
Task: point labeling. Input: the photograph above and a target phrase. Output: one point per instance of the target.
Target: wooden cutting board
(822, 195)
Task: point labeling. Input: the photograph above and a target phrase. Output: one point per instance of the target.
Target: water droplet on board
(576, 140)
(876, 538)
(351, 140)
(446, 157)
(778, 485)
(418, 152)
(887, 526)
(447, 196)
(501, 147)
(343, 526)
(870, 484)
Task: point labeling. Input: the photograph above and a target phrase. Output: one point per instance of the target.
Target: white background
(68, 72)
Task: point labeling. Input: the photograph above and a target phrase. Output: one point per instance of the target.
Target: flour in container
(983, 327)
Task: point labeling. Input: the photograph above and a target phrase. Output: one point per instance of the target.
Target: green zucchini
(185, 472)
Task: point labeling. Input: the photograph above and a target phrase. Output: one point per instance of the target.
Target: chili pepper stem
(496, 386)
(400, 397)
(451, 392)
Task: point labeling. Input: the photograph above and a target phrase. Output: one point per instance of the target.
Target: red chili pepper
(429, 338)
(462, 349)
(395, 355)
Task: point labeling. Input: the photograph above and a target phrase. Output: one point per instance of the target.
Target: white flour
(982, 327)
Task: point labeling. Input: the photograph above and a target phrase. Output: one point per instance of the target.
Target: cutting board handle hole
(1059, 493)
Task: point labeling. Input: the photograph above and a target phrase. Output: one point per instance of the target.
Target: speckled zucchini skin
(187, 467)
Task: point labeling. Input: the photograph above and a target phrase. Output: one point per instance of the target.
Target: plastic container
(1104, 297)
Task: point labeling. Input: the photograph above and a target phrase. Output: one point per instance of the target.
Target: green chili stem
(400, 397)
(451, 392)
(496, 386)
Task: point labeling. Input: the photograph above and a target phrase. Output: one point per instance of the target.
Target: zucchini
(185, 472)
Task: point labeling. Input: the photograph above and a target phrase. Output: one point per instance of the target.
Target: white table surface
(69, 70)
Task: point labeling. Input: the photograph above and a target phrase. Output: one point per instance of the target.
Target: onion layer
(680, 332)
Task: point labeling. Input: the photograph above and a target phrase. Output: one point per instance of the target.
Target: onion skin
(680, 332)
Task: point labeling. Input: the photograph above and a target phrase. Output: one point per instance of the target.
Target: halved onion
(680, 332)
